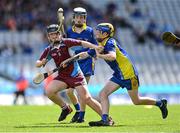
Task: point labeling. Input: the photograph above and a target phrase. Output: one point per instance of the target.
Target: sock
(158, 103)
(77, 107)
(105, 117)
(64, 107)
(81, 115)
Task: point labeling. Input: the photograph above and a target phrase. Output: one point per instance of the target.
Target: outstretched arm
(89, 45)
(74, 42)
(111, 56)
(81, 55)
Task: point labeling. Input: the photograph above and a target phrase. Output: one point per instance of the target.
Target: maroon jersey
(61, 53)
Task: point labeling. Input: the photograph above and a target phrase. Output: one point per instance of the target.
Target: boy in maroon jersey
(71, 76)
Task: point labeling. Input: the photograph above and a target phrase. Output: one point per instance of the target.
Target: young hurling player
(71, 76)
(125, 74)
(81, 31)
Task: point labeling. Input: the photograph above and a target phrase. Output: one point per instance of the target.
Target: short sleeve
(93, 40)
(68, 32)
(45, 54)
(110, 46)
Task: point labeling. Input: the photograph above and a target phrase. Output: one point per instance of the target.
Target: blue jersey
(86, 35)
(123, 67)
(86, 65)
(125, 73)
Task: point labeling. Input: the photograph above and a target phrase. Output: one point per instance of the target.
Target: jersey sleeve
(110, 46)
(68, 32)
(45, 54)
(93, 40)
(71, 42)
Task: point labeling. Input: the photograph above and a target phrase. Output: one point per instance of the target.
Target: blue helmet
(106, 27)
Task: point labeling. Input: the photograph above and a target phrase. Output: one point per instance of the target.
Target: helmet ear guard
(106, 27)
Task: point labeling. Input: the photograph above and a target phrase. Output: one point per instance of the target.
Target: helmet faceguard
(79, 16)
(105, 27)
(52, 28)
(53, 33)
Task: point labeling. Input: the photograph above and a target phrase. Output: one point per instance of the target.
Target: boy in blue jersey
(80, 31)
(125, 74)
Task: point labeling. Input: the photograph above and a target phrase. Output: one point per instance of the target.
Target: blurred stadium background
(138, 24)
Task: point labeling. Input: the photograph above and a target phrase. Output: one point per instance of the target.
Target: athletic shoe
(80, 120)
(163, 108)
(75, 117)
(101, 123)
(64, 113)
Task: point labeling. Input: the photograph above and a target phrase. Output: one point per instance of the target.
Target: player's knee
(87, 99)
(102, 95)
(69, 92)
(49, 92)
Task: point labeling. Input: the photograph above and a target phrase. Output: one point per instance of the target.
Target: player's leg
(79, 105)
(137, 100)
(24, 96)
(73, 98)
(87, 67)
(16, 97)
(82, 105)
(86, 97)
(108, 89)
(52, 92)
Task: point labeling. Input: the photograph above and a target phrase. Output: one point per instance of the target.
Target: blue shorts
(129, 84)
(87, 66)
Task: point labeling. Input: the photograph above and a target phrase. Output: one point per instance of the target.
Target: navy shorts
(129, 84)
(87, 66)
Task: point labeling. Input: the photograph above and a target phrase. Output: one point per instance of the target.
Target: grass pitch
(128, 118)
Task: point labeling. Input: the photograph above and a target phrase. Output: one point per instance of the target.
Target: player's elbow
(111, 56)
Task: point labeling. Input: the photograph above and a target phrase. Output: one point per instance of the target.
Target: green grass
(128, 119)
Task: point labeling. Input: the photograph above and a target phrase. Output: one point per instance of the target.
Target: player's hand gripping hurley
(41, 76)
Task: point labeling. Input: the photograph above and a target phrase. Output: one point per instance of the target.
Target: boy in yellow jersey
(125, 74)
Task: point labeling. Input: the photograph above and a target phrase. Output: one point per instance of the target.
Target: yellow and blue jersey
(123, 65)
(124, 69)
(86, 65)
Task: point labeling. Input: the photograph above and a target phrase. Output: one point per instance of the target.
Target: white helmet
(79, 11)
